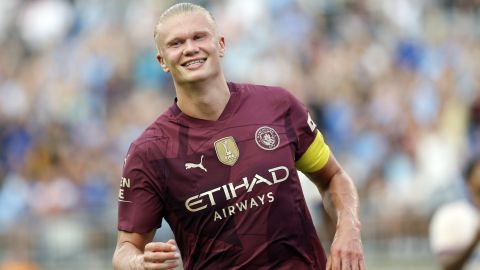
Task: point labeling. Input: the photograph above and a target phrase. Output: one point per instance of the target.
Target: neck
(203, 100)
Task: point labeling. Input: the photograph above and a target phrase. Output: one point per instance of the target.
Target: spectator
(455, 227)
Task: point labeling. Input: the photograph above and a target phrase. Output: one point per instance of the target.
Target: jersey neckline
(181, 118)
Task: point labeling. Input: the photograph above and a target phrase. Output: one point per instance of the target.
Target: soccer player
(220, 166)
(455, 227)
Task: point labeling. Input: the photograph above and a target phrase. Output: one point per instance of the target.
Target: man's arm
(135, 251)
(341, 202)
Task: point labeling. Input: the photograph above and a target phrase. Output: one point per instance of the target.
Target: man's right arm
(129, 250)
(135, 251)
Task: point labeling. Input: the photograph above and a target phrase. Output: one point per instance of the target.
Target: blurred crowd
(394, 86)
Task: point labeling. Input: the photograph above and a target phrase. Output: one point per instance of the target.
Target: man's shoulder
(263, 93)
(154, 135)
(259, 88)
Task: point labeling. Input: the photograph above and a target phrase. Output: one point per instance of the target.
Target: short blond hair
(178, 9)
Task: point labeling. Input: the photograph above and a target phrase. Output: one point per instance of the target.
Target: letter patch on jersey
(227, 150)
(310, 123)
(267, 138)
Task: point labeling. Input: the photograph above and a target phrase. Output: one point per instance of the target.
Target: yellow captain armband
(315, 157)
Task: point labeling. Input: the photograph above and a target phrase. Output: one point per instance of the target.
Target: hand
(346, 252)
(159, 255)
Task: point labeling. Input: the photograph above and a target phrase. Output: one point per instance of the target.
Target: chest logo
(267, 138)
(194, 165)
(227, 150)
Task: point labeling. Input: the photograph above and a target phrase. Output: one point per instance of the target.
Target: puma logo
(193, 165)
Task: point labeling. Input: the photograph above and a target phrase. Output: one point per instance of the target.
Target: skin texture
(341, 202)
(201, 89)
(202, 92)
(137, 252)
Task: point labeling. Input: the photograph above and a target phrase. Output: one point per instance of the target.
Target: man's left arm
(314, 158)
(340, 199)
(341, 202)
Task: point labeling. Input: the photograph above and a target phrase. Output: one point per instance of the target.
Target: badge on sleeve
(310, 123)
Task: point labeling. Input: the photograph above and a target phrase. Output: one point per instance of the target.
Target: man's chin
(197, 75)
(192, 79)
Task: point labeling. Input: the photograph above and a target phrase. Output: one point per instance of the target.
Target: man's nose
(190, 47)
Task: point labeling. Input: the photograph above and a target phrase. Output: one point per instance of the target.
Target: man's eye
(175, 44)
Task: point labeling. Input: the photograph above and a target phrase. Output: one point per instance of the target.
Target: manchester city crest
(267, 138)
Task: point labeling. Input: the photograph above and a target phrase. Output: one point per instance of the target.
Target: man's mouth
(194, 62)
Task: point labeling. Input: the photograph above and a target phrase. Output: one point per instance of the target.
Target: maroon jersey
(228, 188)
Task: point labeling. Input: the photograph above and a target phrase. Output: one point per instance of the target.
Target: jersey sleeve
(140, 206)
(311, 152)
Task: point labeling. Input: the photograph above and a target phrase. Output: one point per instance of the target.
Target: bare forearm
(339, 194)
(341, 200)
(127, 257)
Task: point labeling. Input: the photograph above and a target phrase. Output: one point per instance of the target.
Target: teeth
(194, 62)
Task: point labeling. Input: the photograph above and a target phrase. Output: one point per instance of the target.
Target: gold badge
(227, 150)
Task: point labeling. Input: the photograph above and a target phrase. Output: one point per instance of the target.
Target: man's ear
(221, 43)
(162, 63)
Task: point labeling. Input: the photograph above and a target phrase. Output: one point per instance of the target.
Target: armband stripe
(315, 157)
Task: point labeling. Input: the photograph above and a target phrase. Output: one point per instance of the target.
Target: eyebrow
(175, 39)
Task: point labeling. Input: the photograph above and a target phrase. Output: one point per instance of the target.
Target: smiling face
(189, 47)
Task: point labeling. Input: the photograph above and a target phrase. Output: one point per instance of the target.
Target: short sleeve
(453, 227)
(304, 127)
(140, 204)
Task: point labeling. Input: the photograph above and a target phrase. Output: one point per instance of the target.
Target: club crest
(267, 138)
(227, 150)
